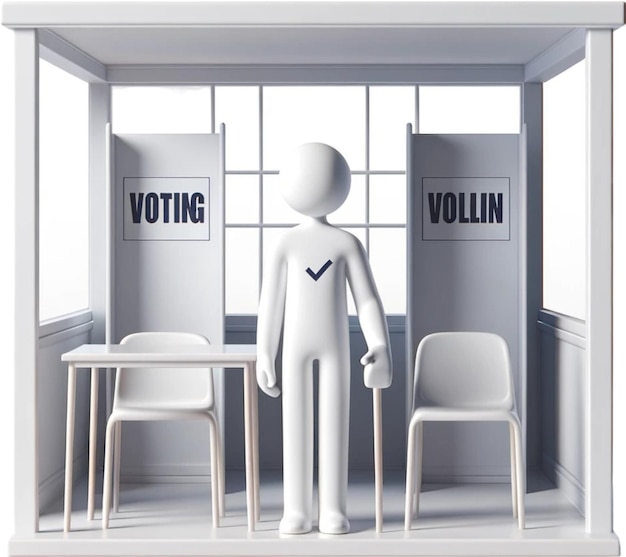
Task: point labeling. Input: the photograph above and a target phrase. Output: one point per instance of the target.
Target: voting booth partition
(167, 273)
(463, 260)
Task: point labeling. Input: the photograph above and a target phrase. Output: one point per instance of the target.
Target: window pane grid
(273, 219)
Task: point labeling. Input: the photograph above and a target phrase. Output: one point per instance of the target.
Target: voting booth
(167, 261)
(465, 210)
(161, 231)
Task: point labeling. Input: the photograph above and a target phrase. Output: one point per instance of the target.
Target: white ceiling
(387, 32)
(335, 45)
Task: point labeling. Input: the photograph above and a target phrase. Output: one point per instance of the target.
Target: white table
(96, 356)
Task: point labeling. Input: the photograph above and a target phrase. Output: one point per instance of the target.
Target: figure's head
(316, 180)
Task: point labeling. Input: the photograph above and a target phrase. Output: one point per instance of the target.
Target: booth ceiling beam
(315, 14)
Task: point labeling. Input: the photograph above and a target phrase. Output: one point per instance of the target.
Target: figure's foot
(334, 523)
(295, 523)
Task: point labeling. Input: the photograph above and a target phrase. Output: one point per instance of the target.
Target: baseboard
(51, 488)
(571, 487)
(466, 474)
(181, 473)
(166, 473)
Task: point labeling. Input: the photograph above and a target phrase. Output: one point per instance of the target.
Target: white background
(7, 223)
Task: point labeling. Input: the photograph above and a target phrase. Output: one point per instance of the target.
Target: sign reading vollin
(166, 208)
(466, 209)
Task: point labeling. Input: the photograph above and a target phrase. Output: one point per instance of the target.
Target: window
(564, 283)
(161, 109)
(296, 115)
(471, 109)
(63, 193)
(366, 124)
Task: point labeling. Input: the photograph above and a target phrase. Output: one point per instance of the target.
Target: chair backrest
(466, 370)
(164, 387)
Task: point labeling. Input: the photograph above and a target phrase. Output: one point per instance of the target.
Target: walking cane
(378, 456)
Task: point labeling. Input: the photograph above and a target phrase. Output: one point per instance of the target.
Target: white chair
(463, 377)
(147, 394)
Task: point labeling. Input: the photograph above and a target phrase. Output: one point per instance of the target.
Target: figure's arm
(269, 323)
(377, 361)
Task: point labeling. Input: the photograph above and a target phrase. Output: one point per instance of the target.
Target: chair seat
(162, 413)
(442, 414)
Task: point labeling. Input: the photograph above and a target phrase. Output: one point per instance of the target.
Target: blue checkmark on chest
(315, 276)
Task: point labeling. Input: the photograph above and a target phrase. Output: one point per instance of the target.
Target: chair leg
(410, 475)
(108, 465)
(117, 466)
(513, 469)
(520, 476)
(215, 473)
(222, 473)
(419, 466)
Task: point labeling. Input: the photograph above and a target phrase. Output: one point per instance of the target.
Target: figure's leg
(334, 414)
(297, 393)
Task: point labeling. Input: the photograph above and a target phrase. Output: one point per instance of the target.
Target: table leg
(249, 434)
(255, 443)
(222, 471)
(69, 445)
(117, 465)
(378, 457)
(93, 443)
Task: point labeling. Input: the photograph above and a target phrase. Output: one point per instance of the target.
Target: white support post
(410, 317)
(109, 228)
(531, 261)
(99, 264)
(99, 117)
(26, 280)
(599, 321)
(220, 380)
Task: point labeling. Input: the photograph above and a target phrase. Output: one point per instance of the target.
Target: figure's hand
(377, 372)
(266, 376)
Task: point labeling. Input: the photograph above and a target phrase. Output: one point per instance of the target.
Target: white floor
(174, 519)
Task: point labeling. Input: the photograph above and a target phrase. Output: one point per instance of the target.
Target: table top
(190, 354)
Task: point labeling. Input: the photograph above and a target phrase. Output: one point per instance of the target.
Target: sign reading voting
(166, 208)
(465, 209)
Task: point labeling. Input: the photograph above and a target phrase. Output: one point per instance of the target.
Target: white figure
(305, 283)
